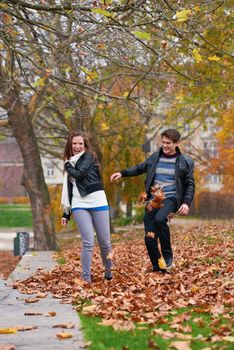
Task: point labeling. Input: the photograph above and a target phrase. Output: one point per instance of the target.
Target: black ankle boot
(108, 278)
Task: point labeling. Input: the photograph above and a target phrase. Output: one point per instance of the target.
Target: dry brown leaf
(51, 314)
(152, 345)
(164, 334)
(64, 335)
(25, 328)
(68, 325)
(118, 325)
(217, 309)
(229, 338)
(7, 347)
(150, 234)
(41, 295)
(33, 313)
(86, 345)
(31, 300)
(78, 281)
(180, 345)
(87, 310)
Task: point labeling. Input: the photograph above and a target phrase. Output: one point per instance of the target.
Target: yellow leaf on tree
(197, 56)
(142, 35)
(91, 75)
(103, 12)
(8, 330)
(182, 15)
(125, 94)
(104, 127)
(214, 58)
(180, 96)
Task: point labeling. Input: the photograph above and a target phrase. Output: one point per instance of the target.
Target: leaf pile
(7, 263)
(202, 277)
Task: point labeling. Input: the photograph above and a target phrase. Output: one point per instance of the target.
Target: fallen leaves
(8, 263)
(201, 279)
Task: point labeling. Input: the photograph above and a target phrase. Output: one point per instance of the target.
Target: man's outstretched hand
(183, 210)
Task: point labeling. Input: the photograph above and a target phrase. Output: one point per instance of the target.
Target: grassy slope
(142, 338)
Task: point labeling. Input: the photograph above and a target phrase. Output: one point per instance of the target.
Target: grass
(142, 337)
(15, 216)
(15, 206)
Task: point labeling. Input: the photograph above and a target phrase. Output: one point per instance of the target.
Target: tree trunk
(33, 179)
(129, 209)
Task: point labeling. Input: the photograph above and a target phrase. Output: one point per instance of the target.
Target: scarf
(65, 203)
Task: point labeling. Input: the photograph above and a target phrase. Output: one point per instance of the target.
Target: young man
(173, 172)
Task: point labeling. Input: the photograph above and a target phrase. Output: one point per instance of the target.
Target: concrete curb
(13, 309)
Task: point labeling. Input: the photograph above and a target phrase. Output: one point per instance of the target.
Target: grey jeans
(87, 221)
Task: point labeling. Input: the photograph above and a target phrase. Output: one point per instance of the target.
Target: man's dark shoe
(158, 269)
(108, 278)
(169, 261)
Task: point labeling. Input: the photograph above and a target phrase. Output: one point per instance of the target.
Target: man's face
(168, 146)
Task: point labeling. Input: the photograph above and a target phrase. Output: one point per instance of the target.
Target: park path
(14, 310)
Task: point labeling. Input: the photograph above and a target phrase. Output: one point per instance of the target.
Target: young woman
(84, 197)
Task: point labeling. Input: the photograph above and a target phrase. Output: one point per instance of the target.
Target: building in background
(11, 170)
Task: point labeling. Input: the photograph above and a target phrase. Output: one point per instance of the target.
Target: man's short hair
(171, 134)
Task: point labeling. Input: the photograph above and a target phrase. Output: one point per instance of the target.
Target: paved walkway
(13, 309)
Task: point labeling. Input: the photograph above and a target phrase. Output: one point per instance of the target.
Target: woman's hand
(115, 176)
(63, 222)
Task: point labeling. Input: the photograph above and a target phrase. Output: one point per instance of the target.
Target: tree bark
(33, 179)
(129, 209)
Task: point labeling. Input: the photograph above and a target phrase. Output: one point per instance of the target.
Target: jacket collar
(178, 152)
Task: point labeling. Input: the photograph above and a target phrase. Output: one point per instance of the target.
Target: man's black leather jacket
(86, 174)
(184, 177)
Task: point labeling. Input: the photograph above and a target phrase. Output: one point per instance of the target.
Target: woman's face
(77, 145)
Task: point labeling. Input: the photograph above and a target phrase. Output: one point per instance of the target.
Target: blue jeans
(156, 221)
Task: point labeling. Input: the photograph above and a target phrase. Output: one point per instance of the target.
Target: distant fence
(215, 205)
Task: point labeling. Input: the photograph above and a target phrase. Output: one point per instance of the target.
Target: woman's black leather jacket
(86, 174)
(184, 168)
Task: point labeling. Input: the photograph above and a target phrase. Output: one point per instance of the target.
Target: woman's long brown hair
(68, 147)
